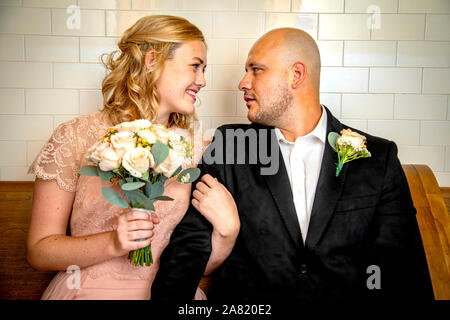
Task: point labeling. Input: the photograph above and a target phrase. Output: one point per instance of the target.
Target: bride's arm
(48, 246)
(217, 205)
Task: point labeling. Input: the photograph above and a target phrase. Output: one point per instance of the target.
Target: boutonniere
(349, 146)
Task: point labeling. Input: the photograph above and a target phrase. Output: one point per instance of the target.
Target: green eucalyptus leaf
(113, 197)
(90, 171)
(132, 186)
(194, 173)
(176, 172)
(160, 151)
(159, 176)
(154, 189)
(137, 199)
(149, 205)
(332, 137)
(104, 175)
(162, 198)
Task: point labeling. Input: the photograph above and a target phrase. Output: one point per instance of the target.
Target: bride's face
(182, 78)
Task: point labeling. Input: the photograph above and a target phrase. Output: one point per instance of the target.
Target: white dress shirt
(303, 159)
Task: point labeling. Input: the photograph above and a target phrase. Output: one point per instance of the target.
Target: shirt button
(303, 269)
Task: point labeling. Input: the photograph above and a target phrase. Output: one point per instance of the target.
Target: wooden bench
(19, 281)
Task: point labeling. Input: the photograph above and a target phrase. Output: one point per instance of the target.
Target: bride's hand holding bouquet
(141, 156)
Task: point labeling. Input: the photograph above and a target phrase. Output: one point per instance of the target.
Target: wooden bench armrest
(434, 224)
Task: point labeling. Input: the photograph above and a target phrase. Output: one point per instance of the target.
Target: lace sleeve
(200, 144)
(59, 158)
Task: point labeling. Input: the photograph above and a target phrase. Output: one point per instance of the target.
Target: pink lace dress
(117, 278)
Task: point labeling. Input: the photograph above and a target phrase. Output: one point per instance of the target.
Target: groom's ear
(150, 61)
(299, 74)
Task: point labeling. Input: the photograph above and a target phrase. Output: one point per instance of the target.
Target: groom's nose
(245, 83)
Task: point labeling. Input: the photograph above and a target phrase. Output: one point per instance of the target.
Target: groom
(305, 233)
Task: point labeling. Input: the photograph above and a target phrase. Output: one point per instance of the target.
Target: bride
(155, 75)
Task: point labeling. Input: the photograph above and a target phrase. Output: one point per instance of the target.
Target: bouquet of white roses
(141, 156)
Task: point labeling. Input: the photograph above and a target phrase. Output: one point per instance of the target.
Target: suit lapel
(279, 187)
(328, 191)
(329, 188)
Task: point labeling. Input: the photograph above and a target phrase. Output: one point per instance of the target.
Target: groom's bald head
(293, 45)
(282, 79)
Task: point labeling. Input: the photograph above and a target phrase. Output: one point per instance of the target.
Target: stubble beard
(269, 113)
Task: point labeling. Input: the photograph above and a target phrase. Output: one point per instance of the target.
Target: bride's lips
(192, 93)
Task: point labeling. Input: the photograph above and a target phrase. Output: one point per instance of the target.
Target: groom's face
(265, 84)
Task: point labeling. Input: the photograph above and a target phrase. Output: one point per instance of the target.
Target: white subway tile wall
(438, 27)
(52, 48)
(306, 22)
(370, 6)
(399, 27)
(385, 66)
(370, 53)
(12, 47)
(447, 158)
(398, 80)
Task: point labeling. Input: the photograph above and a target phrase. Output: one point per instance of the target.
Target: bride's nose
(200, 79)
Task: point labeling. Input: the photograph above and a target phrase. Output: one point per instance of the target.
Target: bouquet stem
(142, 256)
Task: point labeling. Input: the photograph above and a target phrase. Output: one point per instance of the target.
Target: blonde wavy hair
(128, 89)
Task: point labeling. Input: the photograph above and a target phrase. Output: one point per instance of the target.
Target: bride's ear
(150, 60)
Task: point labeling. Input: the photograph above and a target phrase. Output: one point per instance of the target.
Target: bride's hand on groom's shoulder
(217, 205)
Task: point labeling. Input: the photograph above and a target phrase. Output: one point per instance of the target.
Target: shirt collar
(319, 131)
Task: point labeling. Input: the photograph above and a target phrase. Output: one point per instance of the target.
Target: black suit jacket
(364, 217)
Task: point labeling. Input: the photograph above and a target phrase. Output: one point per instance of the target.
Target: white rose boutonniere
(349, 146)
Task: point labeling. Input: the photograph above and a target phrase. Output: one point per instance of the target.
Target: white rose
(110, 160)
(147, 135)
(170, 164)
(174, 137)
(94, 152)
(123, 142)
(142, 124)
(124, 126)
(137, 161)
(352, 138)
(103, 154)
(133, 125)
(161, 132)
